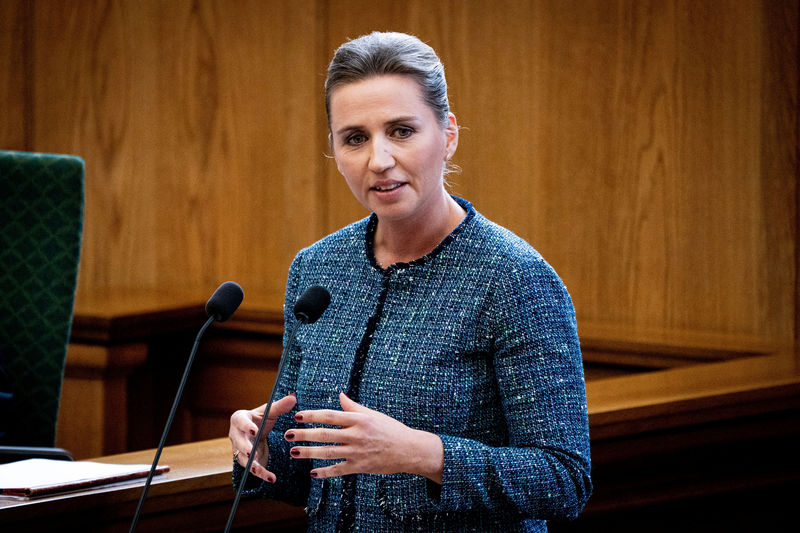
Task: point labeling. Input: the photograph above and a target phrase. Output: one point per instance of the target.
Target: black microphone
(307, 309)
(312, 304)
(222, 304)
(225, 301)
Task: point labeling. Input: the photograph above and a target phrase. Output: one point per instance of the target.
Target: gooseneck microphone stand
(302, 319)
(169, 423)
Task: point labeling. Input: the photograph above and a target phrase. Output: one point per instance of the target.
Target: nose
(380, 157)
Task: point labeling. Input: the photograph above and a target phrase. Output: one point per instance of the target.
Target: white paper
(36, 473)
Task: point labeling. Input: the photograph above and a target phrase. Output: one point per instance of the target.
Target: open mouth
(387, 188)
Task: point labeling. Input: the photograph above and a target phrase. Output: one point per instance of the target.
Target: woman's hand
(244, 428)
(370, 442)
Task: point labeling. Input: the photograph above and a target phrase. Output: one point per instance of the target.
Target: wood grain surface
(646, 148)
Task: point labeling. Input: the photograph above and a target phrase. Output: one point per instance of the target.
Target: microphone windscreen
(225, 301)
(312, 304)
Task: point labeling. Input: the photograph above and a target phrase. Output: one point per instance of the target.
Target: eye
(403, 132)
(355, 139)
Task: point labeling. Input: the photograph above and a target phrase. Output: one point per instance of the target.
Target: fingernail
(345, 395)
(290, 435)
(314, 474)
(293, 395)
(298, 417)
(253, 433)
(295, 452)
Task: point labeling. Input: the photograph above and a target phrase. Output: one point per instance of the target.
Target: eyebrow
(398, 120)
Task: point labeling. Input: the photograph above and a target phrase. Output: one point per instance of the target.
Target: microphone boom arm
(257, 440)
(169, 423)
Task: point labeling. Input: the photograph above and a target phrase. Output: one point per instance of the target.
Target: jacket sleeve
(544, 471)
(293, 477)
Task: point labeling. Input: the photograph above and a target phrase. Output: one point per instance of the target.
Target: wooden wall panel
(626, 141)
(196, 120)
(646, 148)
(15, 25)
(780, 168)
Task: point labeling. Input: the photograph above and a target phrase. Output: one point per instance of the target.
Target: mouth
(387, 188)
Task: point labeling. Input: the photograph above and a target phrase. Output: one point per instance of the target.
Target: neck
(403, 241)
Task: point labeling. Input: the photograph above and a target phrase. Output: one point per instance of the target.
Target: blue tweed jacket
(476, 342)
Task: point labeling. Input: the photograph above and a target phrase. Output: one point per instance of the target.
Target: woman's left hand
(369, 442)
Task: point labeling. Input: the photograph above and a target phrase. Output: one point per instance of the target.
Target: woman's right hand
(244, 428)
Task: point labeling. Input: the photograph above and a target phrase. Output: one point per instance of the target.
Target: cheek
(344, 166)
(435, 163)
(347, 170)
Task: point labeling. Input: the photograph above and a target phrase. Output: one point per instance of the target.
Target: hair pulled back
(380, 53)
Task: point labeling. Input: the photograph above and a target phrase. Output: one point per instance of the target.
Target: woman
(442, 390)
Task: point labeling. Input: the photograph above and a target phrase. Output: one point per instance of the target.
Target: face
(390, 147)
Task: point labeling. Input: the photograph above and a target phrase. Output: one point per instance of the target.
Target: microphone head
(225, 301)
(311, 304)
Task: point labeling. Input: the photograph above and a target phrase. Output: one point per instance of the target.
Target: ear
(451, 136)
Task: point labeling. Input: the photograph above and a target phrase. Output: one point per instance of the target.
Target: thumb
(350, 405)
(282, 406)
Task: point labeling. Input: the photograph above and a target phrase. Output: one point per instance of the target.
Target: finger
(261, 472)
(244, 422)
(328, 417)
(259, 461)
(339, 469)
(245, 448)
(242, 457)
(282, 406)
(239, 437)
(327, 435)
(320, 452)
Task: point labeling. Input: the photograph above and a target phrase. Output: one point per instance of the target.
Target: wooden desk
(195, 495)
(704, 448)
(128, 350)
(671, 443)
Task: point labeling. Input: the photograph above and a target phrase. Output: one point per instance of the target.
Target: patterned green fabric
(41, 220)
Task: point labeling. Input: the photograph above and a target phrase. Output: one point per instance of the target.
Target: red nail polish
(295, 452)
(314, 474)
(290, 435)
(298, 417)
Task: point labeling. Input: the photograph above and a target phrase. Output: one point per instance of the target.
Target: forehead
(378, 97)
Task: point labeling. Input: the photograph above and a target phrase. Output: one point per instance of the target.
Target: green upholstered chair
(41, 221)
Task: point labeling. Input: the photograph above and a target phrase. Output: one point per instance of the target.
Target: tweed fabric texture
(41, 218)
(476, 342)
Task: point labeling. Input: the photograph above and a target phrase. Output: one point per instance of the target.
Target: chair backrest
(41, 221)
